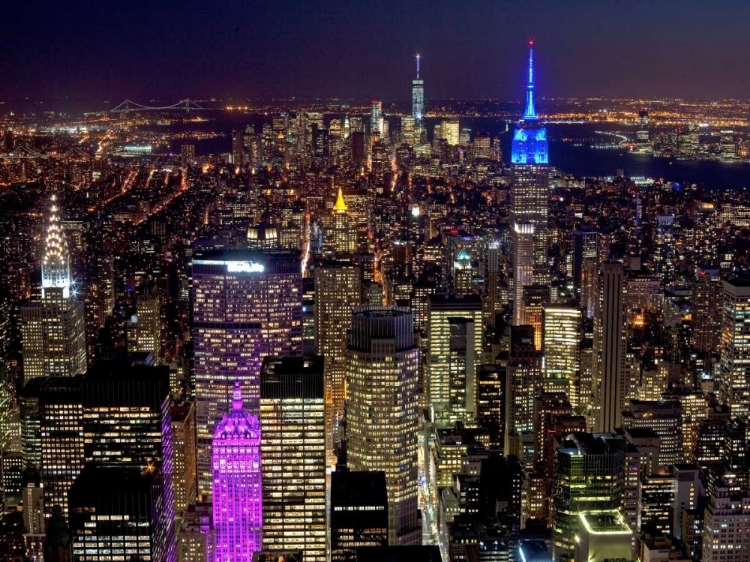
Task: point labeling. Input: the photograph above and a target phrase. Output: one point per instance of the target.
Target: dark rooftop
(358, 488)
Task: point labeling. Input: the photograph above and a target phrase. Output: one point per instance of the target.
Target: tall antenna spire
(530, 112)
(417, 66)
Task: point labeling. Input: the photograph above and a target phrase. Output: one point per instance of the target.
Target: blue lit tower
(530, 137)
(530, 177)
(417, 103)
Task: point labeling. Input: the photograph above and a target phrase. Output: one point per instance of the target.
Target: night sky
(168, 49)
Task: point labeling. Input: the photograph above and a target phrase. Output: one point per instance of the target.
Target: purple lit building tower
(237, 499)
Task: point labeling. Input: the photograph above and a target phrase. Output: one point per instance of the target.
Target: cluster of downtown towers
(288, 385)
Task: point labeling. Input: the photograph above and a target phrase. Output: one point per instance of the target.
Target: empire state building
(530, 181)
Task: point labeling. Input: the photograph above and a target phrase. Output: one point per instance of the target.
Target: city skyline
(431, 331)
(330, 49)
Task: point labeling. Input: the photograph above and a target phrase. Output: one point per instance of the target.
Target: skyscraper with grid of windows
(119, 512)
(338, 289)
(53, 329)
(246, 305)
(455, 346)
(293, 454)
(382, 417)
(589, 477)
(735, 347)
(529, 193)
(61, 438)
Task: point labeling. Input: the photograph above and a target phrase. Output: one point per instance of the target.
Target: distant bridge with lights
(183, 105)
(22, 152)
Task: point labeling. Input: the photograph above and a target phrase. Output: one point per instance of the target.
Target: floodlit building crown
(530, 137)
(340, 206)
(56, 260)
(237, 423)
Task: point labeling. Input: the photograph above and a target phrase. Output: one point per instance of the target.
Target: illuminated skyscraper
(118, 512)
(246, 305)
(127, 419)
(53, 330)
(359, 147)
(490, 402)
(187, 153)
(376, 117)
(454, 333)
(238, 147)
(341, 233)
(408, 130)
(561, 344)
(589, 477)
(237, 495)
(706, 311)
(28, 400)
(522, 244)
(33, 502)
(727, 146)
(146, 324)
(554, 417)
(100, 296)
(529, 195)
(665, 419)
(589, 286)
(417, 103)
(535, 298)
(585, 246)
(642, 136)
(725, 523)
(32, 499)
(451, 131)
(463, 273)
(735, 347)
(382, 417)
(523, 365)
(293, 455)
(61, 438)
(603, 536)
(492, 289)
(337, 291)
(183, 435)
(609, 345)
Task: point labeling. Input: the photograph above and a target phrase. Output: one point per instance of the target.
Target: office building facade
(359, 513)
(118, 512)
(382, 418)
(293, 455)
(455, 336)
(338, 290)
(246, 305)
